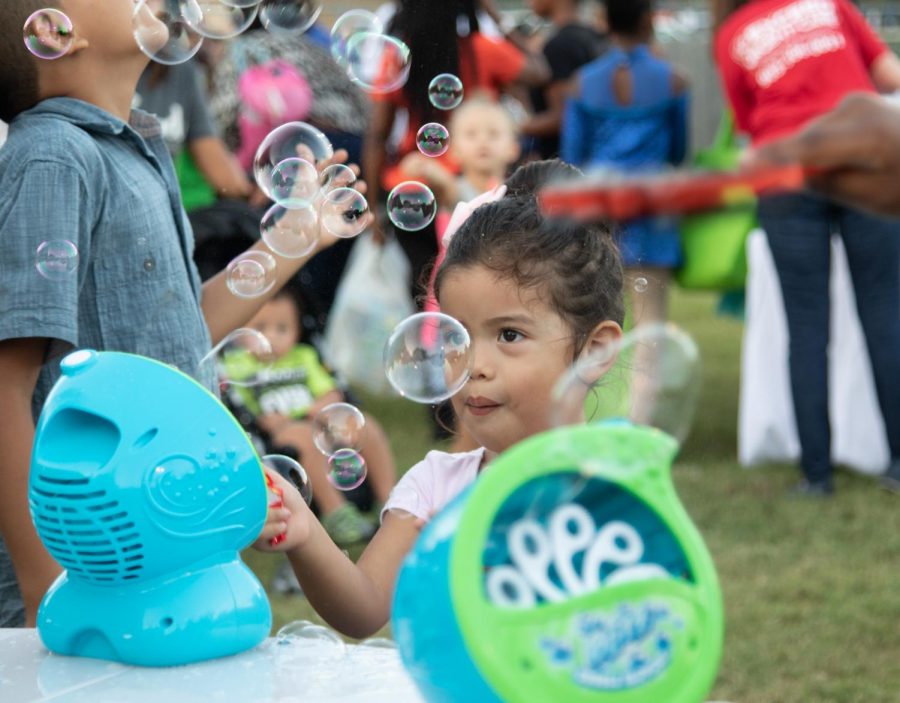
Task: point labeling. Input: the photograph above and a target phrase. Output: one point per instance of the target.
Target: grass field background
(811, 588)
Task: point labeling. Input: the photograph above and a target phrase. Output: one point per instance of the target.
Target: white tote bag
(767, 428)
(372, 299)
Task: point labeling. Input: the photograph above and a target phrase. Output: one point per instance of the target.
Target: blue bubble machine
(144, 488)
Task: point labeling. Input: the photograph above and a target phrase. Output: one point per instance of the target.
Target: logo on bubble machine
(612, 651)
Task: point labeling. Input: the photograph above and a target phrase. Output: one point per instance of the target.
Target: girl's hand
(326, 238)
(292, 520)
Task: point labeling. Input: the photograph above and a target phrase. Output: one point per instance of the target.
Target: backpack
(270, 93)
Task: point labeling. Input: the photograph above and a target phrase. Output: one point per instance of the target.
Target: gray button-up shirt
(70, 171)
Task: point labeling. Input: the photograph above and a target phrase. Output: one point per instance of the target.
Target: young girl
(534, 296)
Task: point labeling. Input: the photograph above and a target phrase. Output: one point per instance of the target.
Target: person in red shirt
(784, 63)
(443, 37)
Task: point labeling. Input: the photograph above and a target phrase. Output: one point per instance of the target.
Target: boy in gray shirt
(79, 166)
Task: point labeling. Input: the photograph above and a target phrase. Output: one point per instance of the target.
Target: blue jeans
(799, 228)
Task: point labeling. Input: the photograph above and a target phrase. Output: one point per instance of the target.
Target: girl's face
(521, 348)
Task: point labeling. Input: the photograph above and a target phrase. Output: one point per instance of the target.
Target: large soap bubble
(428, 357)
(378, 63)
(349, 25)
(163, 32)
(651, 376)
(219, 19)
(289, 15)
(289, 141)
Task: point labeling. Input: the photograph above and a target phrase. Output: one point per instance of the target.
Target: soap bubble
(291, 470)
(56, 259)
(291, 233)
(291, 140)
(289, 15)
(433, 139)
(295, 183)
(377, 63)
(303, 633)
(219, 19)
(349, 25)
(241, 3)
(338, 426)
(251, 274)
(640, 284)
(411, 206)
(445, 91)
(343, 212)
(48, 33)
(241, 359)
(346, 469)
(651, 376)
(163, 33)
(336, 176)
(428, 357)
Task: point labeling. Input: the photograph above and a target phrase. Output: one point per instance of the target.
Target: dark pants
(799, 229)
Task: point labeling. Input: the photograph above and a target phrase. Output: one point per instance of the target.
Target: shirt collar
(93, 119)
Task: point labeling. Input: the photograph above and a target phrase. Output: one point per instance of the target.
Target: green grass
(811, 588)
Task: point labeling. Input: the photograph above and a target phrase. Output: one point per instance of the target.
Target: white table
(296, 672)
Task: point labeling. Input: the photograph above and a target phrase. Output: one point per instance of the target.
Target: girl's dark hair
(430, 30)
(578, 265)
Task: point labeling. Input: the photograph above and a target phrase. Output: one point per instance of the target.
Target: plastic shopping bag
(372, 299)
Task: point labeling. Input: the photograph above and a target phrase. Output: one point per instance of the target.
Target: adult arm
(219, 167)
(678, 116)
(374, 156)
(573, 135)
(20, 364)
(549, 122)
(852, 153)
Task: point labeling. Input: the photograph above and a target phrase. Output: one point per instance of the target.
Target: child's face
(278, 321)
(483, 140)
(521, 348)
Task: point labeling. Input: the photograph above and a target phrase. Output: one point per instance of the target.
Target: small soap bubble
(48, 33)
(251, 274)
(292, 471)
(219, 19)
(411, 206)
(346, 469)
(289, 15)
(433, 139)
(651, 376)
(305, 633)
(338, 426)
(163, 33)
(336, 176)
(378, 63)
(445, 91)
(428, 357)
(295, 183)
(242, 359)
(289, 141)
(344, 213)
(56, 259)
(349, 25)
(640, 284)
(291, 233)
